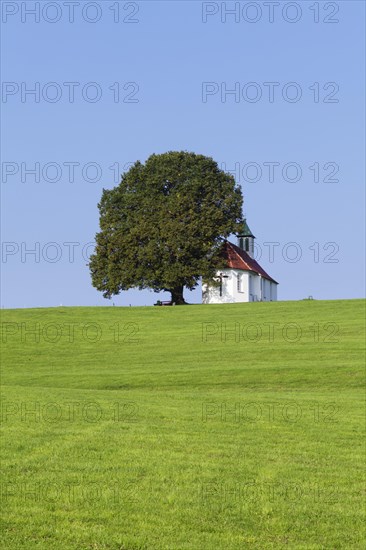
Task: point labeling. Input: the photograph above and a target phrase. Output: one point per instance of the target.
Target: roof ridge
(232, 244)
(250, 263)
(241, 258)
(234, 247)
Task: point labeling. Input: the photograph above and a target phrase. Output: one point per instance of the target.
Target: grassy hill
(198, 427)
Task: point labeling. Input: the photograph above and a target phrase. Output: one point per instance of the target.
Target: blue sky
(156, 76)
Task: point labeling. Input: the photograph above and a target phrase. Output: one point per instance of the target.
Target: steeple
(246, 239)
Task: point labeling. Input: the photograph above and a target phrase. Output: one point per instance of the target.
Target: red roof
(239, 259)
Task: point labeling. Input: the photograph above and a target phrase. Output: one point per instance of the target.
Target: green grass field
(198, 427)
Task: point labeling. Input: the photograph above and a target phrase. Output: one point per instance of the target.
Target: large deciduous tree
(163, 226)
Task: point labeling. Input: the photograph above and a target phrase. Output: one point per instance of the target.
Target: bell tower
(246, 239)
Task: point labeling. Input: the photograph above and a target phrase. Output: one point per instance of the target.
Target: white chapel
(243, 279)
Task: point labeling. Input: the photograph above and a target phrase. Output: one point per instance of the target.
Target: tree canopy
(163, 226)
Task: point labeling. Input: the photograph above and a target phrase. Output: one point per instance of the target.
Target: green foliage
(162, 227)
(286, 473)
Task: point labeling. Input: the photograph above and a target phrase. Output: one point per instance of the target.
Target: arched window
(246, 245)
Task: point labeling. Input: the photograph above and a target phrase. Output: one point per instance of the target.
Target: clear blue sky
(167, 55)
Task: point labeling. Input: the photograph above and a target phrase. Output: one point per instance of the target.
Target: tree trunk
(177, 295)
